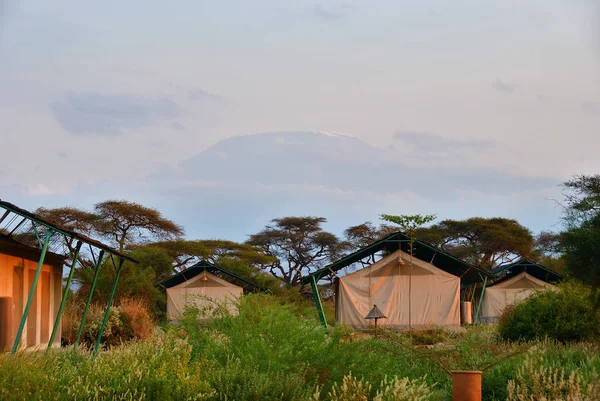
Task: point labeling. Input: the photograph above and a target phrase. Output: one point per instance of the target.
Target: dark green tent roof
(203, 265)
(538, 271)
(421, 250)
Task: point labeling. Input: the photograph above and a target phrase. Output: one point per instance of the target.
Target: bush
(136, 319)
(272, 338)
(127, 321)
(566, 314)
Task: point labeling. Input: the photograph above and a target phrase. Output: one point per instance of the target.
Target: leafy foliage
(186, 252)
(118, 222)
(136, 281)
(563, 315)
(582, 198)
(484, 242)
(365, 234)
(581, 240)
(409, 223)
(299, 246)
(274, 352)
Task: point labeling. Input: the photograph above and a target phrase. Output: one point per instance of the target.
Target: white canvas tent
(205, 286)
(204, 291)
(435, 294)
(518, 281)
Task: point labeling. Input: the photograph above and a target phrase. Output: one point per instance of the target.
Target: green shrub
(566, 314)
(270, 337)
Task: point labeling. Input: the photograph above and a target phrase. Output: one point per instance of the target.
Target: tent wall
(435, 294)
(16, 276)
(204, 294)
(508, 292)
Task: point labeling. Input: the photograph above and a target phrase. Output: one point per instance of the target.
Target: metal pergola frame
(472, 275)
(47, 234)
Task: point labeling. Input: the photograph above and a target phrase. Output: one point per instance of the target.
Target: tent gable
(205, 279)
(521, 281)
(398, 264)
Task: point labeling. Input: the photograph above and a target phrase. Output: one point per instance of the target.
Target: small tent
(205, 285)
(434, 294)
(515, 282)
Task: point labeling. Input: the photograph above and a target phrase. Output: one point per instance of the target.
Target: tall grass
(270, 351)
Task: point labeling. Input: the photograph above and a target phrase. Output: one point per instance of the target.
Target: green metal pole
(65, 293)
(37, 236)
(317, 297)
(89, 301)
(480, 301)
(110, 300)
(33, 286)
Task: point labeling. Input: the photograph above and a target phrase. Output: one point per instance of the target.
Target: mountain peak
(334, 134)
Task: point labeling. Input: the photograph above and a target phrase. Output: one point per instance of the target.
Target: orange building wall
(16, 277)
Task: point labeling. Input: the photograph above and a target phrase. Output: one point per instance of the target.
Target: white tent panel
(435, 296)
(497, 297)
(203, 291)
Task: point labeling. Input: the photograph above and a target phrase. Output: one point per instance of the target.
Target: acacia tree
(119, 222)
(124, 222)
(299, 246)
(186, 252)
(484, 242)
(362, 235)
(365, 234)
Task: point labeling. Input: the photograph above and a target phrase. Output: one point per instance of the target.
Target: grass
(271, 351)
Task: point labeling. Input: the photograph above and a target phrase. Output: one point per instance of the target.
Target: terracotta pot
(466, 385)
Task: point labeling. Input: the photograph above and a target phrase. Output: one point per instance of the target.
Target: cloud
(83, 113)
(178, 126)
(199, 94)
(590, 108)
(542, 98)
(503, 86)
(424, 142)
(39, 189)
(62, 155)
(331, 13)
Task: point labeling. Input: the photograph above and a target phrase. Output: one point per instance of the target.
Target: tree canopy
(484, 242)
(299, 246)
(581, 240)
(119, 222)
(187, 252)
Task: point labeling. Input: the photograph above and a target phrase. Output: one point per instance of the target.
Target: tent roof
(506, 271)
(203, 265)
(421, 250)
(11, 247)
(20, 225)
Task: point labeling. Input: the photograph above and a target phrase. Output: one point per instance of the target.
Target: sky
(96, 99)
